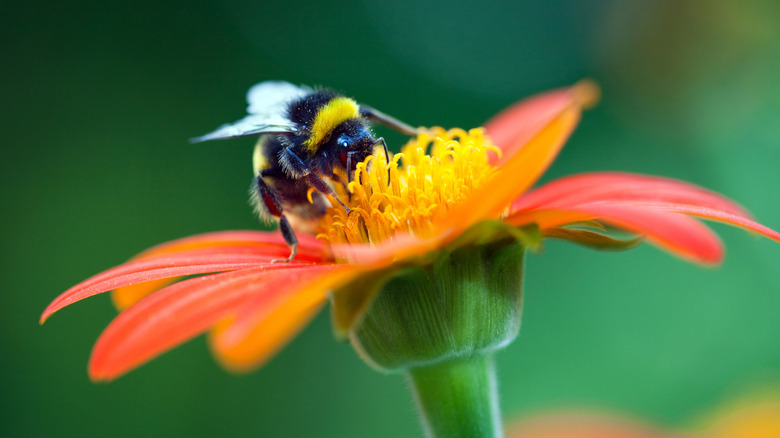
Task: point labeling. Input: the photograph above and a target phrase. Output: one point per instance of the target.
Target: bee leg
(289, 237)
(270, 200)
(299, 167)
(387, 154)
(338, 179)
(349, 165)
(323, 187)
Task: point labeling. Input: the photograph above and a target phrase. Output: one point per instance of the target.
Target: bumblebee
(308, 137)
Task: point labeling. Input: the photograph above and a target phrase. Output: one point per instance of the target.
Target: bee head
(352, 146)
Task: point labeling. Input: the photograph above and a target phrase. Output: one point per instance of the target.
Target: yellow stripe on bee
(338, 110)
(259, 160)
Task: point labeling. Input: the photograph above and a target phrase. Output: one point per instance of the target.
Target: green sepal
(593, 239)
(468, 302)
(488, 231)
(349, 303)
(587, 224)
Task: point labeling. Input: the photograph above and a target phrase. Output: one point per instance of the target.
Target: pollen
(434, 171)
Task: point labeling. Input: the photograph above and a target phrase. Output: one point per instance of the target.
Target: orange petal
(402, 246)
(266, 323)
(619, 186)
(548, 218)
(161, 266)
(272, 241)
(175, 314)
(639, 192)
(678, 234)
(517, 125)
(711, 214)
(272, 244)
(517, 173)
(126, 296)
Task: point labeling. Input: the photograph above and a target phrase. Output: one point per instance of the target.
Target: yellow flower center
(432, 173)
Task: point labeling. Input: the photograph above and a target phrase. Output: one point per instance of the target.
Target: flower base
(466, 303)
(440, 324)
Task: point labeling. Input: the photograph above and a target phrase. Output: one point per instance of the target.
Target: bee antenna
(387, 154)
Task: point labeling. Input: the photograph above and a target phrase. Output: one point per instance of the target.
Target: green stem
(458, 398)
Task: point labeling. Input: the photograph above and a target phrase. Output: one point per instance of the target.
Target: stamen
(434, 171)
(309, 194)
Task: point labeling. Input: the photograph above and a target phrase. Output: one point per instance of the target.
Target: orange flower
(442, 190)
(753, 417)
(756, 416)
(583, 425)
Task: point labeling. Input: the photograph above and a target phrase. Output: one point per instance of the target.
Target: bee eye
(343, 141)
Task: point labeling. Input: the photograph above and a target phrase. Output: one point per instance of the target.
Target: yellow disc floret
(433, 172)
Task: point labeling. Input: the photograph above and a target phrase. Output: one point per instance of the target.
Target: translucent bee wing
(267, 112)
(271, 97)
(251, 125)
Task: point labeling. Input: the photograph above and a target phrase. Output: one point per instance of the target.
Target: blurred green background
(100, 97)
